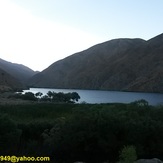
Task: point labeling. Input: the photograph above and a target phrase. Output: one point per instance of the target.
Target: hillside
(120, 64)
(8, 82)
(18, 71)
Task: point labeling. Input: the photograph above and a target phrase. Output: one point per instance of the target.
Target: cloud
(37, 42)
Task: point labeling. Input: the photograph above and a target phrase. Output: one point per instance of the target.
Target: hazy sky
(37, 33)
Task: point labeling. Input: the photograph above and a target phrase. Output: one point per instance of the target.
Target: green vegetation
(88, 132)
(128, 154)
(59, 97)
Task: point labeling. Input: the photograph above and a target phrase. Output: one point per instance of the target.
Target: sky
(37, 33)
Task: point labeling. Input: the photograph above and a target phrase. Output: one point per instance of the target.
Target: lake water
(98, 96)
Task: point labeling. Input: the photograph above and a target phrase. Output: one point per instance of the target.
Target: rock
(154, 160)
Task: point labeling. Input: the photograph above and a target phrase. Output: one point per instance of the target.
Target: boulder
(154, 160)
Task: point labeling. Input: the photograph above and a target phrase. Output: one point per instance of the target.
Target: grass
(36, 112)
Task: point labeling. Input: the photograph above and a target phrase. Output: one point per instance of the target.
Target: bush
(92, 133)
(128, 154)
(9, 135)
(26, 96)
(29, 96)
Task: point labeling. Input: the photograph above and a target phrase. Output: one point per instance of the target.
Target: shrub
(9, 135)
(128, 154)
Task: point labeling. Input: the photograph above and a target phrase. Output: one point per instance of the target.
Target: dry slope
(120, 64)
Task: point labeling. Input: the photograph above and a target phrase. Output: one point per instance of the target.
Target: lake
(99, 96)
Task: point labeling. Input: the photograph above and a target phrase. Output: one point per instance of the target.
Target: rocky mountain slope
(8, 82)
(120, 64)
(13, 76)
(18, 71)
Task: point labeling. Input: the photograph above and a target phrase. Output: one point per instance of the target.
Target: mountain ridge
(13, 76)
(120, 64)
(8, 82)
(19, 71)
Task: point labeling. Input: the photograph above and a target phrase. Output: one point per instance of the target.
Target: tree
(44, 98)
(63, 97)
(75, 96)
(141, 103)
(38, 94)
(50, 94)
(29, 96)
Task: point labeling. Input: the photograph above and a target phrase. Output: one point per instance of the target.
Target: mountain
(119, 64)
(8, 82)
(13, 76)
(18, 71)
